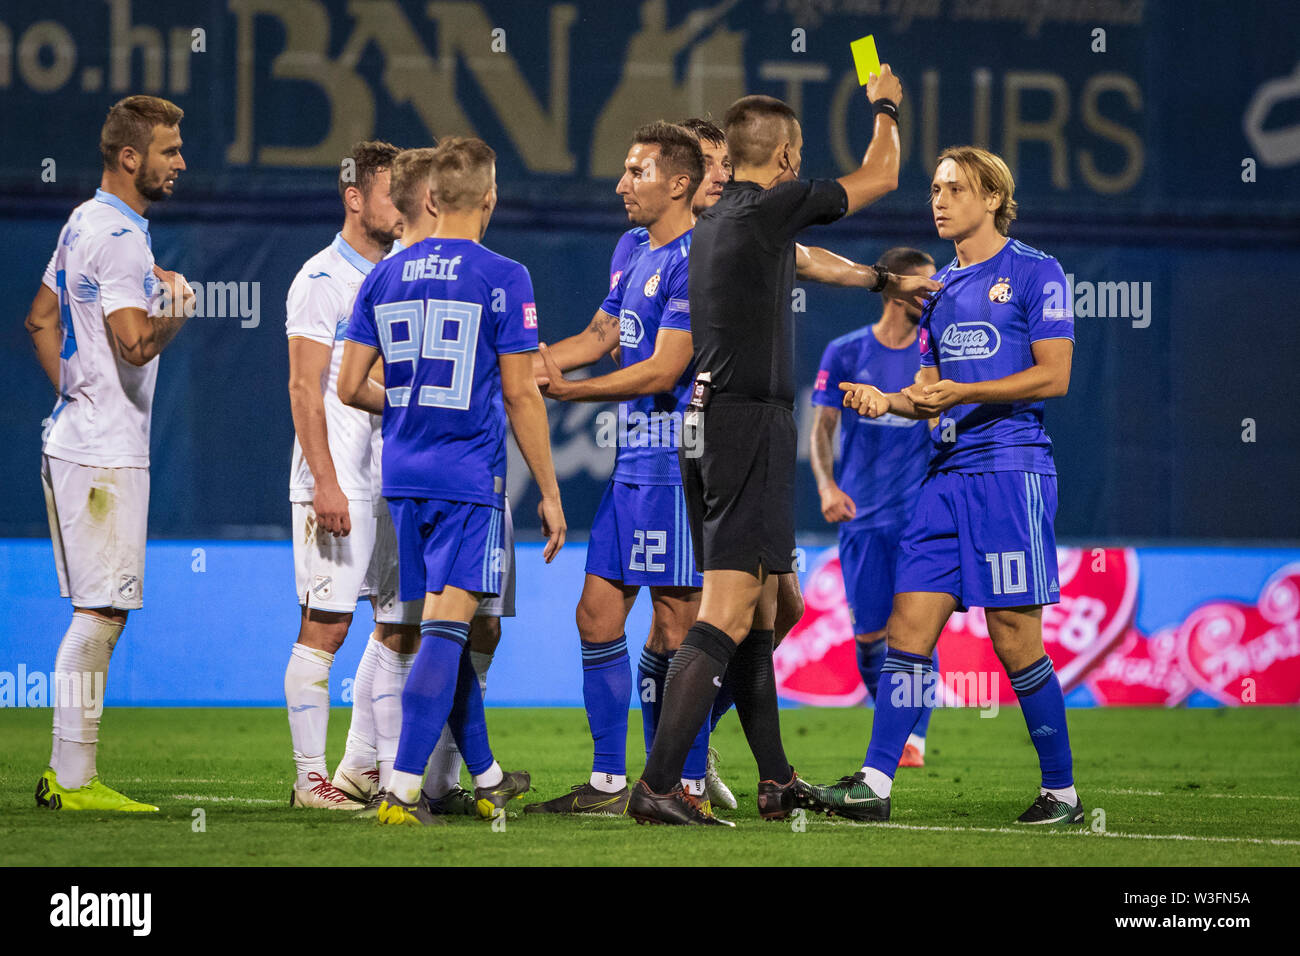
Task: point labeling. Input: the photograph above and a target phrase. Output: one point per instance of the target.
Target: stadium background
(1166, 162)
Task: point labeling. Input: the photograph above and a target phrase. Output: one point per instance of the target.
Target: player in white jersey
(330, 491)
(103, 314)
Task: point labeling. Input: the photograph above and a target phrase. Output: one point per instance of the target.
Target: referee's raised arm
(878, 174)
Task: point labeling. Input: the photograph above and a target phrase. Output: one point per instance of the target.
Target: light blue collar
(358, 261)
(123, 208)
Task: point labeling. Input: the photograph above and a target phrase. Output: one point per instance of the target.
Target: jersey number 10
(440, 330)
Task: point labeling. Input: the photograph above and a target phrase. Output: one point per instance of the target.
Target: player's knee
(484, 634)
(871, 637)
(788, 612)
(593, 627)
(324, 630)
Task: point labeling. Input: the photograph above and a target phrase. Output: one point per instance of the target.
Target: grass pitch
(1177, 787)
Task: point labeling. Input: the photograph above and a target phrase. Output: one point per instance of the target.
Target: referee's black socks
(694, 678)
(751, 679)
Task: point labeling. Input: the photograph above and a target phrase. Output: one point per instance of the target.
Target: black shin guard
(752, 681)
(694, 678)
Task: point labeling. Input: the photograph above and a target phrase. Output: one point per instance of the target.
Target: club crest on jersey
(1001, 291)
(630, 330)
(651, 286)
(530, 315)
(969, 340)
(128, 587)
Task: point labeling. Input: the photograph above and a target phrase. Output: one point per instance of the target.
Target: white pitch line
(1081, 833)
(202, 799)
(1197, 793)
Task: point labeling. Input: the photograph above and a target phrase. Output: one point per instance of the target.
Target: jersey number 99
(436, 329)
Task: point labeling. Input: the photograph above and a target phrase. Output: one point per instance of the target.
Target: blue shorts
(867, 560)
(641, 535)
(986, 539)
(441, 543)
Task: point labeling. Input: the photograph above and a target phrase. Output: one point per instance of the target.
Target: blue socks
(606, 689)
(467, 721)
(1043, 705)
(870, 658)
(430, 692)
(652, 672)
(898, 708)
(721, 704)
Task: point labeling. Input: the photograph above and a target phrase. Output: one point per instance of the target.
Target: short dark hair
(705, 130)
(751, 134)
(902, 259)
(411, 180)
(130, 122)
(368, 158)
(679, 151)
(462, 171)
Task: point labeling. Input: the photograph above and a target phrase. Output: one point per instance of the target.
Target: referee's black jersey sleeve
(741, 280)
(786, 209)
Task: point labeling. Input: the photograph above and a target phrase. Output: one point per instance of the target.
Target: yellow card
(865, 58)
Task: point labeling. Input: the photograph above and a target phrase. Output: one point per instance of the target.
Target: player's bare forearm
(659, 373)
(588, 346)
(307, 363)
(140, 338)
(356, 388)
(821, 446)
(878, 174)
(821, 265)
(1048, 377)
(527, 414)
(47, 334)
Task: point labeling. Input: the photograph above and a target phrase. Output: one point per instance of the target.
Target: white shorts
(381, 578)
(330, 573)
(98, 519)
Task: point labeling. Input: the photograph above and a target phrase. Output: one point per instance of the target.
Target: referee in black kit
(738, 453)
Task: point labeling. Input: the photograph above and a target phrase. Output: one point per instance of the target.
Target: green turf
(1226, 779)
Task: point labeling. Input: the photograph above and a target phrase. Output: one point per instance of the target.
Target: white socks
(917, 742)
(359, 755)
(608, 782)
(877, 781)
(490, 777)
(391, 670)
(81, 673)
(694, 787)
(307, 692)
(445, 761)
(1068, 795)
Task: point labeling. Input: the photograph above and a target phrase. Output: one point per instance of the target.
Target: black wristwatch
(882, 278)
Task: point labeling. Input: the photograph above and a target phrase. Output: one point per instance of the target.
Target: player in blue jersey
(996, 341)
(456, 325)
(882, 462)
(639, 536)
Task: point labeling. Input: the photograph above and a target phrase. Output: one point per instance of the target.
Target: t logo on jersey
(969, 340)
(530, 315)
(613, 279)
(823, 377)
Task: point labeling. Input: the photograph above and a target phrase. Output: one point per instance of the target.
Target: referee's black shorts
(740, 486)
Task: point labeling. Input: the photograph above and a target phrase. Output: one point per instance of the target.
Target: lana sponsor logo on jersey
(432, 266)
(969, 340)
(630, 329)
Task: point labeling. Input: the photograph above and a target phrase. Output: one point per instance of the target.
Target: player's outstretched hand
(331, 507)
(885, 85)
(864, 399)
(836, 505)
(551, 381)
(553, 526)
(937, 398)
(911, 290)
(178, 294)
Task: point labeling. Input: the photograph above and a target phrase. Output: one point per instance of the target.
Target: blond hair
(988, 173)
(411, 179)
(462, 172)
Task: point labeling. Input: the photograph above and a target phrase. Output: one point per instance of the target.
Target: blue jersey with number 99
(441, 312)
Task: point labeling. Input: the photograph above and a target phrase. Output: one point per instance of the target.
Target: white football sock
(1068, 795)
(489, 777)
(391, 670)
(80, 675)
(307, 693)
(879, 783)
(444, 766)
(359, 755)
(608, 782)
(917, 742)
(404, 786)
(694, 787)
(480, 662)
